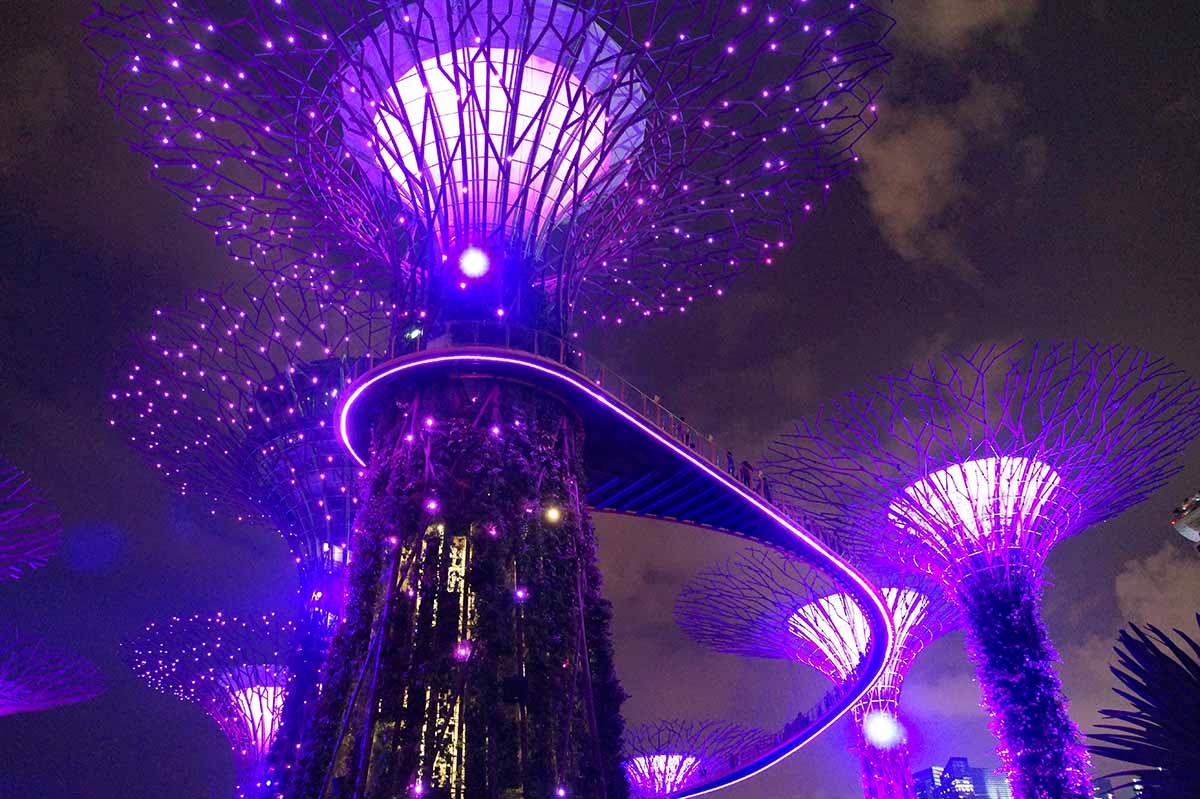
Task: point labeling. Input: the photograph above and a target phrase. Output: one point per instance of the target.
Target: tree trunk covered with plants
(475, 659)
(1015, 663)
(886, 770)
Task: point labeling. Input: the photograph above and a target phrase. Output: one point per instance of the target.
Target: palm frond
(1159, 735)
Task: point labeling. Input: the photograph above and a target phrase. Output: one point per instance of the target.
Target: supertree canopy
(35, 676)
(669, 756)
(231, 399)
(235, 669)
(29, 528)
(972, 468)
(535, 159)
(765, 604)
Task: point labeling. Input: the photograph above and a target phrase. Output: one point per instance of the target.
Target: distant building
(958, 779)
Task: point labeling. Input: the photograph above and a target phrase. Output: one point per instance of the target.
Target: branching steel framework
(765, 604)
(35, 676)
(972, 468)
(614, 158)
(30, 531)
(234, 668)
(668, 756)
(234, 402)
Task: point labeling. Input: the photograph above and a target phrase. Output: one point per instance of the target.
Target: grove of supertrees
(666, 757)
(532, 163)
(235, 669)
(971, 468)
(29, 528)
(765, 604)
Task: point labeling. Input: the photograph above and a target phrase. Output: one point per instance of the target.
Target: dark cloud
(36, 103)
(945, 28)
(923, 163)
(914, 171)
(1160, 589)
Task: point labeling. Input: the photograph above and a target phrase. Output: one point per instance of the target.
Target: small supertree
(235, 669)
(615, 157)
(30, 531)
(765, 604)
(972, 469)
(1159, 736)
(231, 399)
(35, 676)
(669, 756)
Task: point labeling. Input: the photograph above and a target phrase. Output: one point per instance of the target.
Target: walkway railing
(648, 407)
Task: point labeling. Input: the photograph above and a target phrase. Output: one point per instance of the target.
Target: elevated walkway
(637, 463)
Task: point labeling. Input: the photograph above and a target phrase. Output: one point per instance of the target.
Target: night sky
(1034, 176)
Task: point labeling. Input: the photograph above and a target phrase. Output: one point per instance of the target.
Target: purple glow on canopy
(234, 669)
(990, 459)
(660, 775)
(261, 704)
(36, 677)
(622, 159)
(670, 756)
(30, 531)
(511, 91)
(984, 504)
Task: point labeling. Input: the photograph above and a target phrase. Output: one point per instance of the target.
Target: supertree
(612, 158)
(29, 528)
(971, 469)
(765, 604)
(35, 676)
(231, 399)
(529, 162)
(668, 756)
(234, 668)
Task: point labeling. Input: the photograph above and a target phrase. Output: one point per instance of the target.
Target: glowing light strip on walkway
(882, 615)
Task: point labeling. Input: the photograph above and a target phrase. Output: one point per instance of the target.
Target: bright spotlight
(473, 262)
(882, 730)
